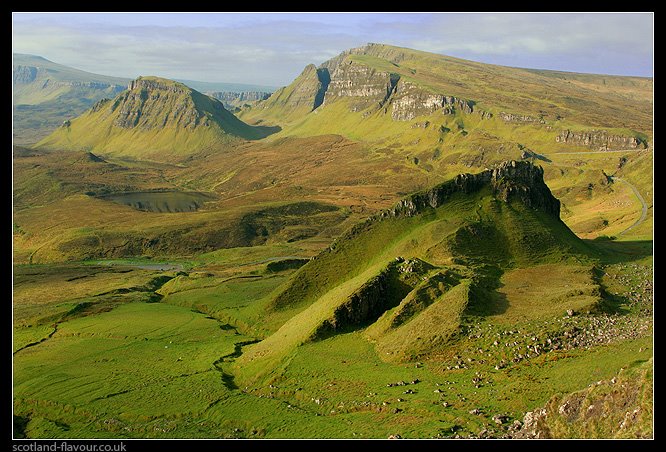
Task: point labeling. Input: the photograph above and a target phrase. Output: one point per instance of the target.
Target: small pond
(162, 201)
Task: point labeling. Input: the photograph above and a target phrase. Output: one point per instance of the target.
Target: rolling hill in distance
(398, 243)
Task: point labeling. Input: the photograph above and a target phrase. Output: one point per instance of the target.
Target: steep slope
(301, 97)
(411, 273)
(46, 93)
(156, 119)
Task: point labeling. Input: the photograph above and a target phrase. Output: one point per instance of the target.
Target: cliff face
(24, 74)
(410, 101)
(510, 117)
(600, 140)
(364, 84)
(302, 96)
(369, 87)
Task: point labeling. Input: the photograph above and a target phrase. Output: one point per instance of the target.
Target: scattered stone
(500, 419)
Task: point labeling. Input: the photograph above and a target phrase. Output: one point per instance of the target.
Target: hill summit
(154, 118)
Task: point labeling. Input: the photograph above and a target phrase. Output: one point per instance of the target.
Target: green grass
(295, 353)
(110, 375)
(159, 133)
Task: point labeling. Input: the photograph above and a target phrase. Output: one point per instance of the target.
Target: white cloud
(273, 49)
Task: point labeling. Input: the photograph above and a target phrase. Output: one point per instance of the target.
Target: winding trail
(640, 198)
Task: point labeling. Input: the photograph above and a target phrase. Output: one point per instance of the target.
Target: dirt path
(640, 198)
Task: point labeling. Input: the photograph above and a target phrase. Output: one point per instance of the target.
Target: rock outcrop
(365, 85)
(24, 74)
(152, 103)
(303, 95)
(512, 180)
(600, 140)
(510, 117)
(372, 299)
(410, 101)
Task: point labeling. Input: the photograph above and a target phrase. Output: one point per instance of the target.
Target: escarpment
(600, 140)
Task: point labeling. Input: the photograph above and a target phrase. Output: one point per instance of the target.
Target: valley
(397, 244)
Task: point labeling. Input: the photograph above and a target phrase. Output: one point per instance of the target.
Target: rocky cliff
(600, 140)
(512, 180)
(510, 117)
(410, 101)
(365, 85)
(302, 96)
(24, 74)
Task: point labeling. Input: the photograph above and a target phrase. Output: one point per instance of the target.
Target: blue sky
(272, 49)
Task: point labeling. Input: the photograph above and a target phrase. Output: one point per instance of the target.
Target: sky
(273, 48)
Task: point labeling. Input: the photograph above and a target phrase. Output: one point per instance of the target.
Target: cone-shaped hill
(154, 118)
(411, 274)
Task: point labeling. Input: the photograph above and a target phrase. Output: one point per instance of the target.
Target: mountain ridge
(410, 83)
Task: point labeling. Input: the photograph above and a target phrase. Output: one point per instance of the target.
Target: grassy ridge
(331, 292)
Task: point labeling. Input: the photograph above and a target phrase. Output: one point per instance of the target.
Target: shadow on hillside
(492, 303)
(486, 300)
(613, 252)
(261, 132)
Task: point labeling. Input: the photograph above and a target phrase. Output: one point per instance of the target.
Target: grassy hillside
(477, 328)
(361, 273)
(559, 99)
(157, 119)
(407, 270)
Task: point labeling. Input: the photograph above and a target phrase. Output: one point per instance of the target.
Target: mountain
(154, 118)
(427, 247)
(413, 273)
(415, 99)
(46, 94)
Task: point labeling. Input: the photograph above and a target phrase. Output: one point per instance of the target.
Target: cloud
(273, 49)
(606, 42)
